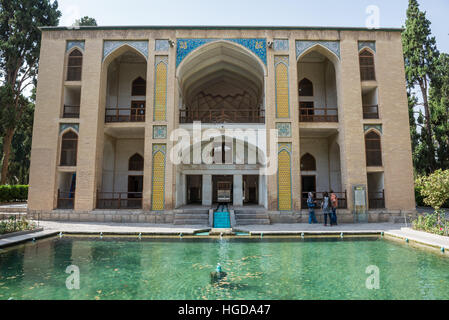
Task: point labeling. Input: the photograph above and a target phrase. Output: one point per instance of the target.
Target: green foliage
(13, 193)
(433, 223)
(434, 188)
(19, 58)
(15, 225)
(86, 21)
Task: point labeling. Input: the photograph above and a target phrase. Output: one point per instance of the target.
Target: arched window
(74, 66)
(373, 148)
(367, 71)
(69, 148)
(139, 87)
(308, 162)
(135, 163)
(305, 88)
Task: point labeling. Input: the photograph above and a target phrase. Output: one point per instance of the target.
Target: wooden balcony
(119, 200)
(66, 199)
(125, 115)
(376, 200)
(318, 114)
(71, 112)
(223, 115)
(371, 112)
(319, 196)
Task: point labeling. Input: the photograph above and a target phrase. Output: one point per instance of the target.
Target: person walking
(334, 206)
(311, 204)
(326, 207)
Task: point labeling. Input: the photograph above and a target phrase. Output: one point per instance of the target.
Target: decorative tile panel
(367, 44)
(110, 46)
(64, 126)
(284, 177)
(280, 45)
(158, 177)
(368, 127)
(78, 43)
(303, 45)
(186, 46)
(162, 45)
(160, 88)
(284, 129)
(159, 132)
(282, 90)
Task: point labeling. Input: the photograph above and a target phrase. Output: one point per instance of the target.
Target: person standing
(311, 204)
(326, 207)
(334, 206)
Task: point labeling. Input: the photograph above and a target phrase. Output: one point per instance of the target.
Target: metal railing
(66, 199)
(319, 196)
(318, 114)
(125, 115)
(223, 116)
(376, 200)
(71, 111)
(119, 200)
(371, 112)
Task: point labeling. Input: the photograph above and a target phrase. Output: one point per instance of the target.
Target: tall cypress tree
(19, 57)
(421, 54)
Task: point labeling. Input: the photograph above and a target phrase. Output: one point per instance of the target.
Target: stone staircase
(191, 217)
(249, 216)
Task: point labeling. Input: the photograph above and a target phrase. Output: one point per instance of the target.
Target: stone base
(116, 216)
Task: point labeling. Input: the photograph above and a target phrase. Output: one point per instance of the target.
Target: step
(194, 211)
(191, 216)
(243, 222)
(251, 216)
(201, 222)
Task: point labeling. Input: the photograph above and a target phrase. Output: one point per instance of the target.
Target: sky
(347, 13)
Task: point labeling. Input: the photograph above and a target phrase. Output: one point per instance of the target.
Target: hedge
(13, 193)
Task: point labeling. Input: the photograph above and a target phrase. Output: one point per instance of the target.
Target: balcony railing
(119, 200)
(319, 196)
(66, 199)
(376, 200)
(71, 111)
(125, 115)
(371, 112)
(223, 116)
(318, 114)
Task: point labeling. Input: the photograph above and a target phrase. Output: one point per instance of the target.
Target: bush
(15, 225)
(432, 223)
(13, 193)
(434, 189)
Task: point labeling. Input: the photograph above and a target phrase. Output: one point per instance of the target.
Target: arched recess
(120, 68)
(308, 162)
(139, 87)
(367, 65)
(69, 148)
(305, 88)
(321, 67)
(74, 64)
(373, 148)
(135, 162)
(221, 82)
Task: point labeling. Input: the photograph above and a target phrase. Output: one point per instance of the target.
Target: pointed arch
(139, 87)
(308, 162)
(373, 149)
(74, 65)
(305, 88)
(69, 148)
(135, 162)
(367, 66)
(335, 59)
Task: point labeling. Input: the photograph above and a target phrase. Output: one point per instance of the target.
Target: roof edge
(93, 28)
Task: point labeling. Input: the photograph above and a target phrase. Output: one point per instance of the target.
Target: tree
(19, 57)
(86, 21)
(421, 54)
(439, 102)
(435, 188)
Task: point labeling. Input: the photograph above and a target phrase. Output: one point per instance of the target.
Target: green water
(180, 269)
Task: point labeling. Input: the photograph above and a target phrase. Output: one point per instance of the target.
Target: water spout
(60, 234)
(140, 235)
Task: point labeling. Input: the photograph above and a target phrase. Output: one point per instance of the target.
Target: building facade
(275, 112)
